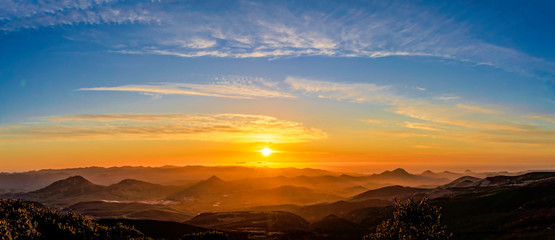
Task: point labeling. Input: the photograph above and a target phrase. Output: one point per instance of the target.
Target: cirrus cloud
(237, 128)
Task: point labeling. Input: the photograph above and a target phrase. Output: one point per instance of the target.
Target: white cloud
(352, 92)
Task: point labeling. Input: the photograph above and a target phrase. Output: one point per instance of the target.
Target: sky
(358, 86)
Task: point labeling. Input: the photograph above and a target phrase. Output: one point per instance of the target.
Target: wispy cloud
(224, 87)
(368, 120)
(448, 97)
(352, 92)
(423, 126)
(272, 30)
(453, 119)
(16, 15)
(237, 128)
(477, 109)
(547, 118)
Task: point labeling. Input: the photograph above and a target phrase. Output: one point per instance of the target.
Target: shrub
(412, 220)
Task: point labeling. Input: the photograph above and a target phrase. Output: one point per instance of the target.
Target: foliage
(210, 235)
(21, 220)
(412, 220)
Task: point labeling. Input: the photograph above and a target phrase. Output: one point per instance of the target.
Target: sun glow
(266, 151)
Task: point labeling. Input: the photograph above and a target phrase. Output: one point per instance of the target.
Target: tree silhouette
(412, 220)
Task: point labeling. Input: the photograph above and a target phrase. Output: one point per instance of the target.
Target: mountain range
(338, 206)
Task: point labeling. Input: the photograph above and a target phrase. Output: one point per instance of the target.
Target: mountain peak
(214, 179)
(400, 170)
(75, 180)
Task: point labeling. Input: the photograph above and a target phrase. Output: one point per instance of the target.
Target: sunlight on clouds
(477, 109)
(374, 121)
(234, 128)
(225, 87)
(352, 92)
(546, 118)
(454, 120)
(423, 126)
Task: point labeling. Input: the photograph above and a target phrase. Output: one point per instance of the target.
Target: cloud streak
(237, 128)
(226, 87)
(451, 119)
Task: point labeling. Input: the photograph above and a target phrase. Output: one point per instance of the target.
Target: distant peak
(76, 179)
(214, 178)
(427, 172)
(130, 181)
(400, 170)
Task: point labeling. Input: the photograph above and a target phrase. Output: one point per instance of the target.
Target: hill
(390, 193)
(514, 207)
(24, 220)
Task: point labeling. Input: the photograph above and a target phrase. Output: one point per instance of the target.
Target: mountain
(166, 175)
(215, 194)
(390, 193)
(209, 189)
(64, 192)
(463, 182)
(333, 227)
(445, 174)
(505, 207)
(69, 191)
(131, 210)
(516, 212)
(131, 189)
(498, 181)
(262, 221)
(400, 176)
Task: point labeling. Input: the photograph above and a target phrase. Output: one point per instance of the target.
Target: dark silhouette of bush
(210, 235)
(21, 220)
(412, 220)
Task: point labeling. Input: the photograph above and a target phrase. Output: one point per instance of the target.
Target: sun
(266, 151)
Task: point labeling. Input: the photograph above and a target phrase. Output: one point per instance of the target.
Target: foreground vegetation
(412, 220)
(23, 220)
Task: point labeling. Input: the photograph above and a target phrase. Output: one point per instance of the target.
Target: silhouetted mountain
(316, 212)
(166, 175)
(463, 182)
(131, 189)
(390, 193)
(498, 181)
(399, 173)
(209, 189)
(76, 189)
(401, 177)
(445, 174)
(333, 227)
(131, 210)
(69, 187)
(514, 207)
(265, 221)
(67, 191)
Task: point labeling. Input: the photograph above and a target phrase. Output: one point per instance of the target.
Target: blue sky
(443, 69)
